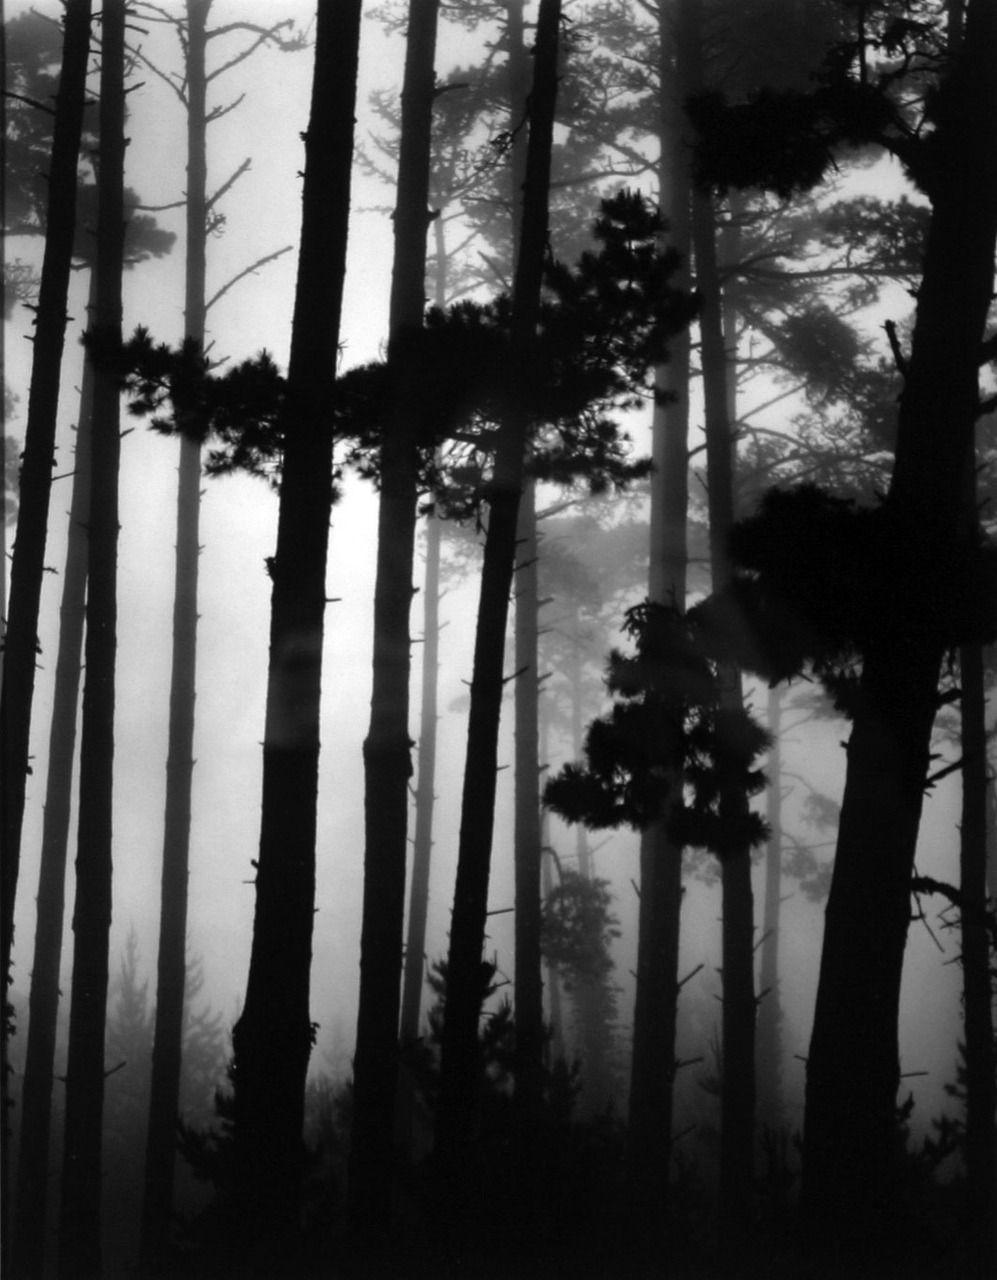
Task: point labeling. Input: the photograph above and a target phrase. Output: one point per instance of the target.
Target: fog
(238, 529)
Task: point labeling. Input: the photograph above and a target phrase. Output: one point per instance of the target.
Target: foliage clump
(670, 748)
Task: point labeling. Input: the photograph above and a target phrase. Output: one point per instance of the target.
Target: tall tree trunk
(28, 555)
(459, 1083)
(528, 988)
(981, 1068)
(770, 1005)
(425, 796)
(851, 1140)
(652, 1071)
(737, 1096)
(272, 1038)
(422, 844)
(80, 1227)
(43, 1006)
(387, 756)
(36, 1094)
(171, 970)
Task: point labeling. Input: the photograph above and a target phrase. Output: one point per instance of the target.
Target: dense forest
(499, 639)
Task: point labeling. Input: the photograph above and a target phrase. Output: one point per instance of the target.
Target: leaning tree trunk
(43, 1005)
(981, 1068)
(273, 1036)
(79, 1235)
(851, 1143)
(387, 755)
(770, 1004)
(652, 1071)
(28, 554)
(171, 969)
(737, 1091)
(460, 1083)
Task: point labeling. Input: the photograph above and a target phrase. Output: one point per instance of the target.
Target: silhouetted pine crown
(670, 748)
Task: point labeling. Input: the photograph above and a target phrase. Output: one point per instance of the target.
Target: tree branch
(32, 102)
(228, 184)
(247, 271)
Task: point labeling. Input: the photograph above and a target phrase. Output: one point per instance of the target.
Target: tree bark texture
(851, 1143)
(387, 748)
(43, 1004)
(460, 1065)
(171, 969)
(273, 1036)
(80, 1225)
(28, 553)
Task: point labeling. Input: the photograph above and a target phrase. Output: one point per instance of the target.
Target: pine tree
(273, 1036)
(387, 760)
(27, 560)
(79, 1235)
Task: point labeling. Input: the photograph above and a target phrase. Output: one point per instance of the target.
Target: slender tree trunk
(659, 918)
(171, 971)
(422, 846)
(387, 755)
(28, 555)
(80, 1227)
(737, 1097)
(272, 1038)
(770, 1006)
(528, 989)
(851, 1141)
(981, 1068)
(43, 1007)
(425, 796)
(460, 1065)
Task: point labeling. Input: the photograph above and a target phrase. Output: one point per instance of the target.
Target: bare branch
(228, 184)
(32, 102)
(247, 271)
(216, 113)
(264, 37)
(161, 208)
(175, 83)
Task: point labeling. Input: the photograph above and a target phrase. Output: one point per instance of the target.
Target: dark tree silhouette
(273, 1036)
(387, 758)
(80, 1220)
(459, 1065)
(28, 555)
(922, 584)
